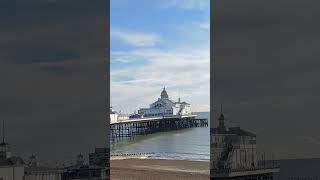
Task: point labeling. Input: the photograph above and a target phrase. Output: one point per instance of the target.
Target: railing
(229, 170)
(297, 178)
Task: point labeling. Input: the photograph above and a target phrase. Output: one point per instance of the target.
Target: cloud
(184, 72)
(187, 4)
(136, 38)
(204, 26)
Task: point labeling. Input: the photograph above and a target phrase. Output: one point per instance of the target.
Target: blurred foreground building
(11, 168)
(234, 155)
(96, 170)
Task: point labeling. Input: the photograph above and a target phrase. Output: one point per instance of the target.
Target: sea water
(185, 144)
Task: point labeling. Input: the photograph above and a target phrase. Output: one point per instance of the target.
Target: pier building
(117, 117)
(234, 154)
(166, 107)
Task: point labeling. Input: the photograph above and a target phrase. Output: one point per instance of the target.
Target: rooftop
(12, 161)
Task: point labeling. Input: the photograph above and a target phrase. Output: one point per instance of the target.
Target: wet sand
(149, 169)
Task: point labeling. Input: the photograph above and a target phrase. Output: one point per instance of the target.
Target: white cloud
(187, 4)
(136, 38)
(205, 26)
(185, 72)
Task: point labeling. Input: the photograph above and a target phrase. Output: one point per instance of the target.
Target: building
(43, 173)
(113, 116)
(233, 148)
(117, 117)
(11, 168)
(166, 107)
(81, 170)
(100, 157)
(34, 171)
(234, 154)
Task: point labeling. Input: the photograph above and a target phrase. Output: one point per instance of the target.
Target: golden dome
(164, 93)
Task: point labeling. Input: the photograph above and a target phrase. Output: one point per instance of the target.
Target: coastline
(158, 169)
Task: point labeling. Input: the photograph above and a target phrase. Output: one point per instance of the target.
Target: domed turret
(221, 120)
(164, 93)
(221, 125)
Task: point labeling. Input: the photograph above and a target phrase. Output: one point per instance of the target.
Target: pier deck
(143, 126)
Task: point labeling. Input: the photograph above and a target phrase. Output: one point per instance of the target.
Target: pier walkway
(143, 126)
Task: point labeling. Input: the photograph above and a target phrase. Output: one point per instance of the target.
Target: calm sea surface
(300, 168)
(186, 144)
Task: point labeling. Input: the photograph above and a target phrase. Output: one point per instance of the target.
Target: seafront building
(166, 107)
(11, 168)
(14, 168)
(82, 170)
(234, 148)
(117, 117)
(234, 154)
(99, 157)
(34, 171)
(163, 107)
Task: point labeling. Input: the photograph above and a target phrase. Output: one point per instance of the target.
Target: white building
(233, 148)
(117, 117)
(113, 116)
(36, 172)
(166, 107)
(11, 168)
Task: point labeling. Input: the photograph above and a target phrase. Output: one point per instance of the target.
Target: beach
(147, 169)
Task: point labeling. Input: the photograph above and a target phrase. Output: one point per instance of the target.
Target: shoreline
(123, 157)
(159, 169)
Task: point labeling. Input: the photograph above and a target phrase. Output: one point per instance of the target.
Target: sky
(53, 77)
(156, 44)
(266, 68)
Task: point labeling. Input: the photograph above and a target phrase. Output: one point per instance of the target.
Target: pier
(144, 126)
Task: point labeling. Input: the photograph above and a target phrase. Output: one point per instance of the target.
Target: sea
(193, 144)
(186, 144)
(299, 169)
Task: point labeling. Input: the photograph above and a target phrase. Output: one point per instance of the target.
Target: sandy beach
(150, 169)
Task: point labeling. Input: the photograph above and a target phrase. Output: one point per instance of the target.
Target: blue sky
(159, 43)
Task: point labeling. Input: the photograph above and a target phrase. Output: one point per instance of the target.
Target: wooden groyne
(131, 128)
